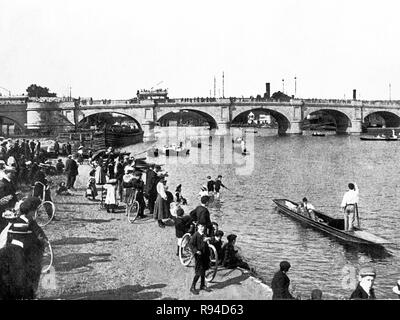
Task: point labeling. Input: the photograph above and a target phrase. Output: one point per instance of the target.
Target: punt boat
(329, 225)
(373, 138)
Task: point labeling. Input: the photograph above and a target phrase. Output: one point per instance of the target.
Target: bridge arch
(90, 118)
(183, 113)
(339, 119)
(19, 128)
(281, 119)
(390, 119)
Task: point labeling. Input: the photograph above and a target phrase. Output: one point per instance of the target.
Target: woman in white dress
(161, 206)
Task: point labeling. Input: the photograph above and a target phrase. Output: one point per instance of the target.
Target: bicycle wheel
(133, 210)
(45, 213)
(212, 271)
(185, 253)
(47, 259)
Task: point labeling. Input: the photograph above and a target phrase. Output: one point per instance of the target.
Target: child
(178, 195)
(60, 167)
(217, 242)
(62, 190)
(91, 189)
(203, 191)
(111, 198)
(182, 226)
(231, 258)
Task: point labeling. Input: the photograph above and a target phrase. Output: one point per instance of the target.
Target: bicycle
(132, 207)
(45, 212)
(186, 256)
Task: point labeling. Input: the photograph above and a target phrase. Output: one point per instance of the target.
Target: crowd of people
(120, 176)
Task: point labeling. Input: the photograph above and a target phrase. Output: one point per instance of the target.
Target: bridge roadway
(219, 113)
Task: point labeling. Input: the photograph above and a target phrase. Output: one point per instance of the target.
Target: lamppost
(295, 86)
(283, 85)
(390, 92)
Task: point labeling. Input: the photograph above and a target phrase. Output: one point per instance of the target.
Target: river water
(294, 167)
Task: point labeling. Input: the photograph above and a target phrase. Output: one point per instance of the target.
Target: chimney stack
(267, 93)
(354, 94)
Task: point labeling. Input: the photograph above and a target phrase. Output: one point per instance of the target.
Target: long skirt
(161, 209)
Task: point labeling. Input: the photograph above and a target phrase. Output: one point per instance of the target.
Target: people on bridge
(349, 206)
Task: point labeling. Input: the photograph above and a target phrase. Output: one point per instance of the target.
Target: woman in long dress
(161, 206)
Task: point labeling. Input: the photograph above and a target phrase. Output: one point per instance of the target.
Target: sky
(110, 49)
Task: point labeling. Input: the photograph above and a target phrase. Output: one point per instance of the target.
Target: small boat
(173, 151)
(329, 225)
(195, 143)
(379, 138)
(318, 134)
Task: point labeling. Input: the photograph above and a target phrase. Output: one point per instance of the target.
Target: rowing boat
(329, 225)
(372, 138)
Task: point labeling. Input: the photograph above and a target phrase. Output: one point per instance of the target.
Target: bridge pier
(148, 131)
(295, 128)
(356, 127)
(223, 128)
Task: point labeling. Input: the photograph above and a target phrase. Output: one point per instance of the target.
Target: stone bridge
(220, 114)
(347, 114)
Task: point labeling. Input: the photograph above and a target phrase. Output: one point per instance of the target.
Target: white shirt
(161, 190)
(308, 206)
(350, 197)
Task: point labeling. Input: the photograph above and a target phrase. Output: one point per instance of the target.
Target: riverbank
(100, 255)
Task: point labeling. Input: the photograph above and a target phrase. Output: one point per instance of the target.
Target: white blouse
(161, 190)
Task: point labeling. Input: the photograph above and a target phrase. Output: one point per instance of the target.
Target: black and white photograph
(184, 152)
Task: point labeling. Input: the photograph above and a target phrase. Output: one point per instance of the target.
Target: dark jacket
(218, 184)
(229, 259)
(210, 185)
(202, 216)
(359, 293)
(280, 287)
(7, 188)
(151, 182)
(182, 225)
(71, 167)
(202, 261)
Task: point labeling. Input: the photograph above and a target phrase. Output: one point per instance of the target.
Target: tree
(280, 96)
(38, 91)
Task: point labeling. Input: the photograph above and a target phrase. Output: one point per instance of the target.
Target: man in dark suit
(71, 169)
(202, 215)
(280, 283)
(8, 196)
(198, 245)
(151, 187)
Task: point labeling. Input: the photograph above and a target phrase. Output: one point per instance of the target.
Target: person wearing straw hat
(20, 259)
(396, 289)
(364, 289)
